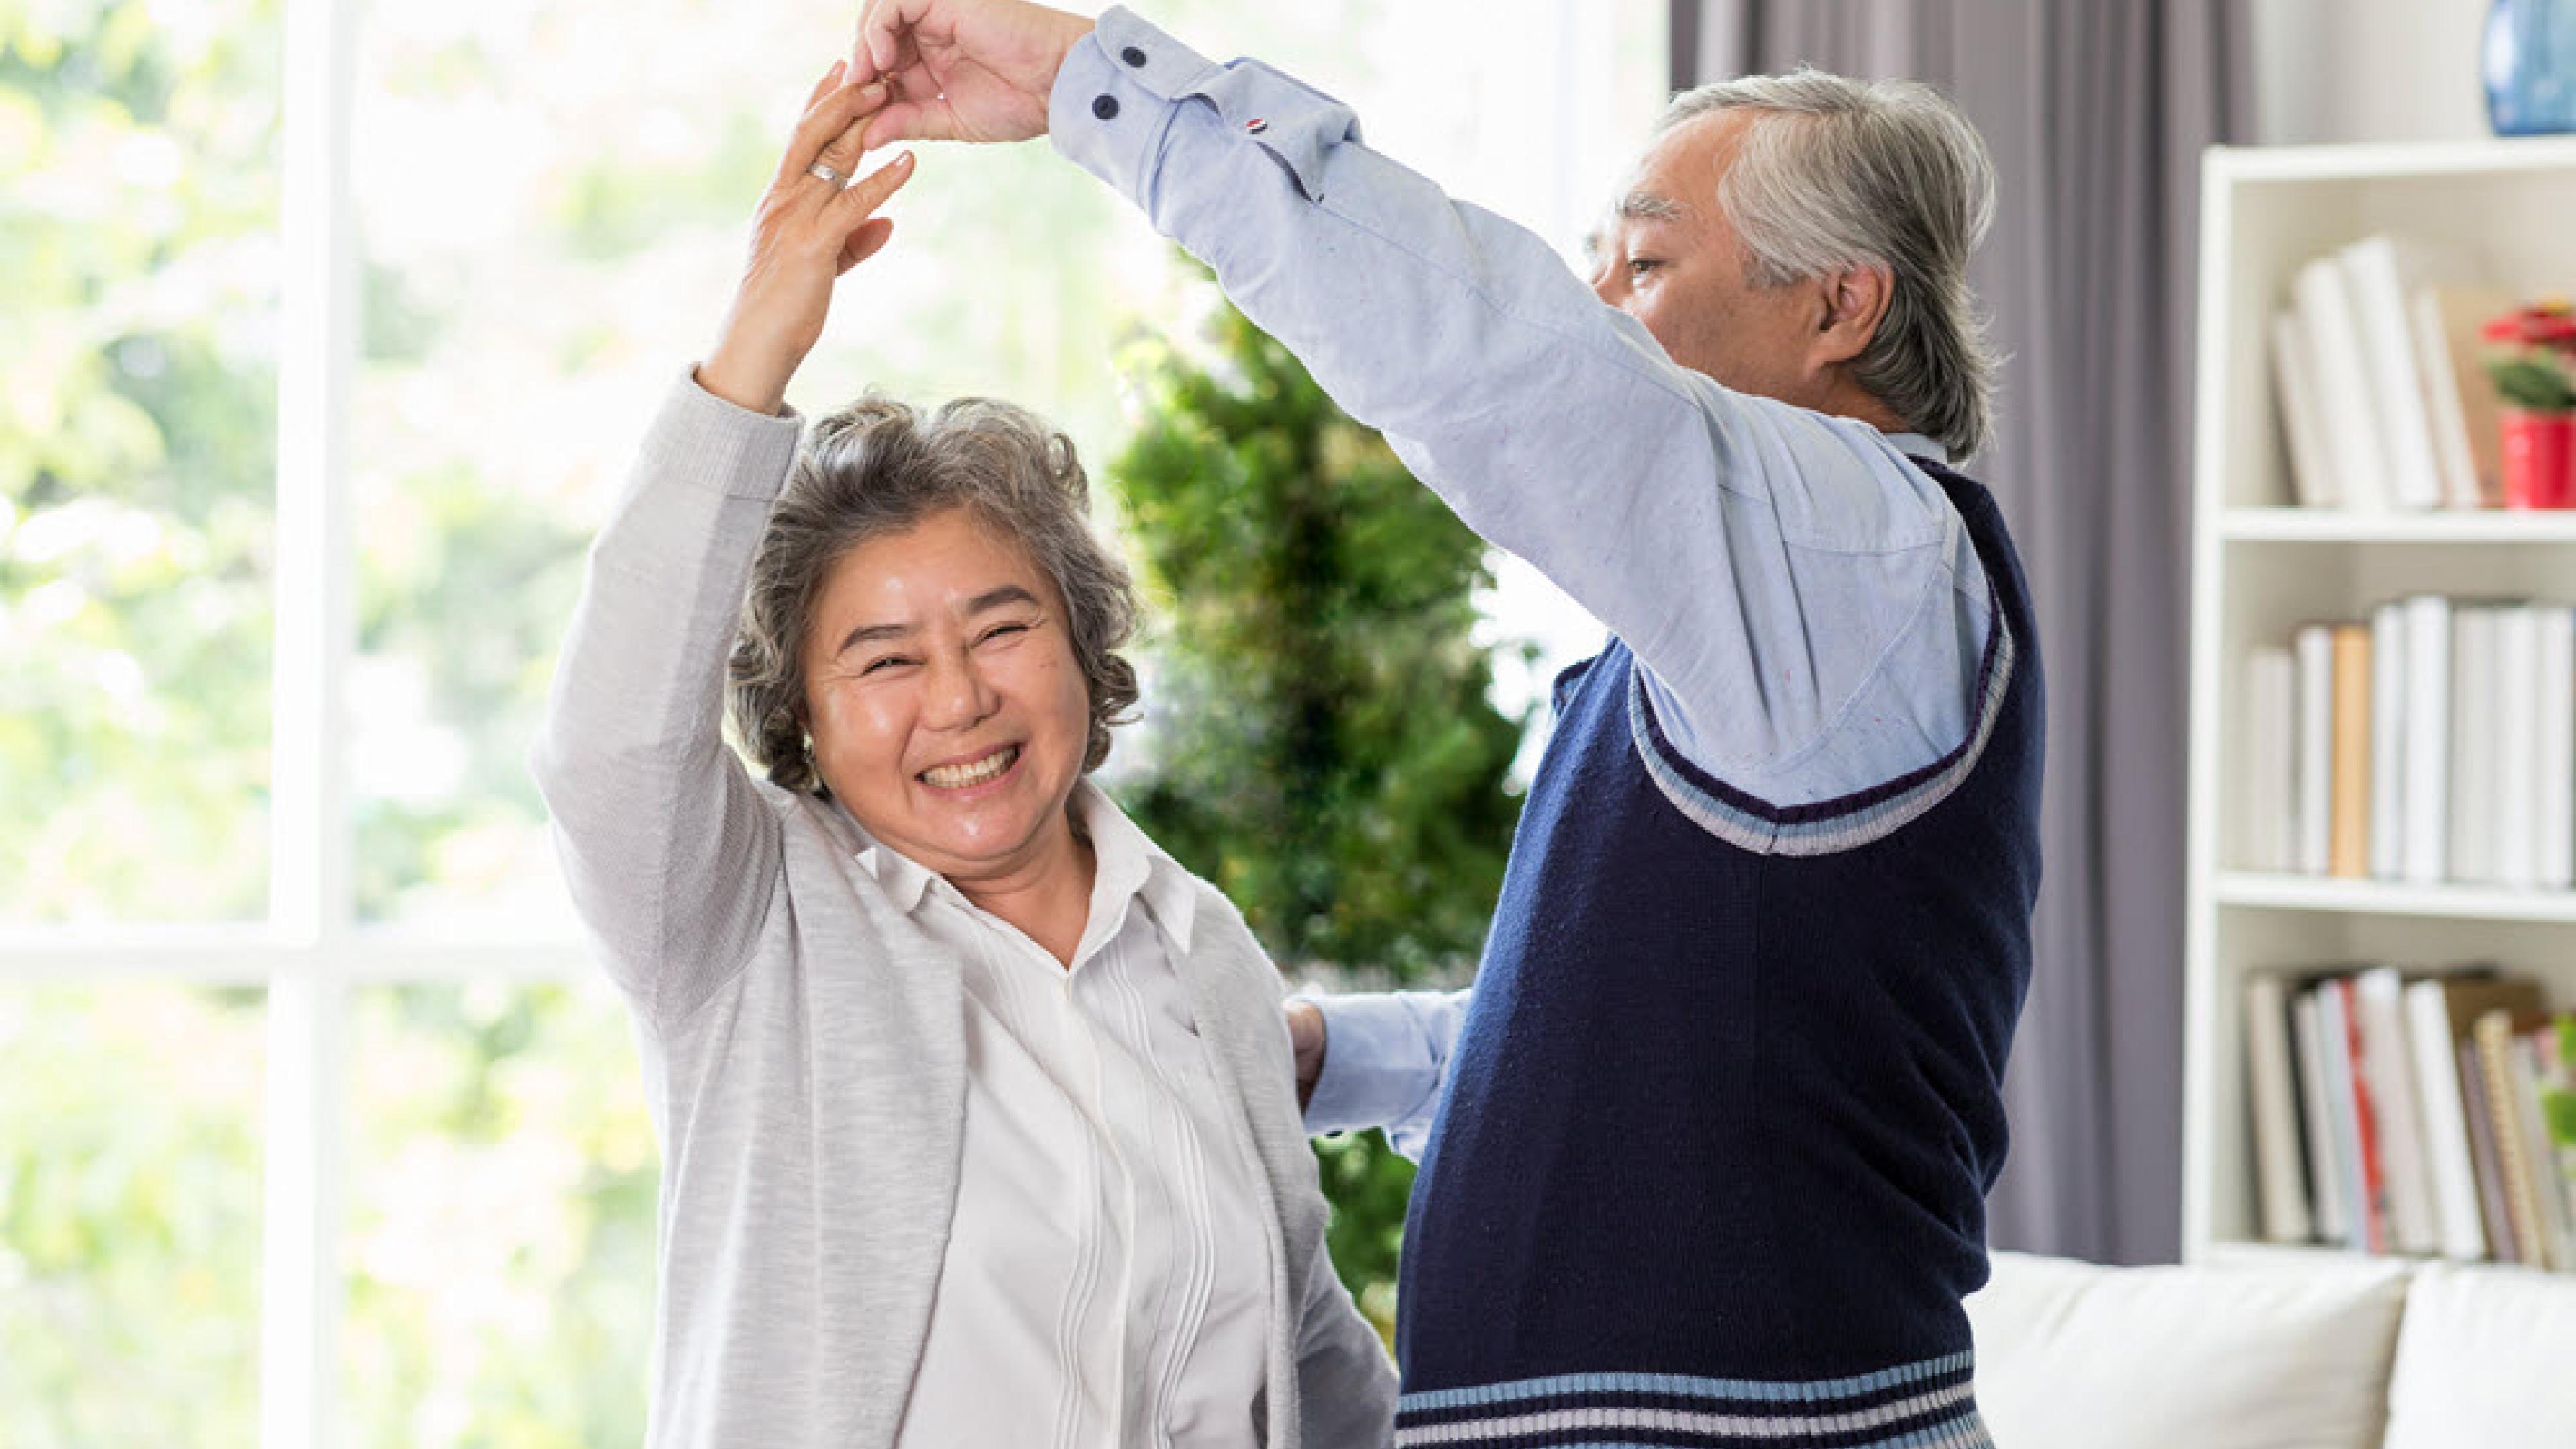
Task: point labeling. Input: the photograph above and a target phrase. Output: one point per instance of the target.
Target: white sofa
(2335, 1353)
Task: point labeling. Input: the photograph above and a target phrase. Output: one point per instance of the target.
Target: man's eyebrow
(1647, 206)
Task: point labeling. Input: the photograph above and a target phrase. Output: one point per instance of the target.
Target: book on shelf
(2546, 1187)
(2271, 816)
(2473, 730)
(2494, 1033)
(2517, 748)
(2388, 1066)
(2417, 1114)
(2382, 272)
(2428, 737)
(2460, 399)
(2348, 852)
(2434, 743)
(2364, 1174)
(2449, 1155)
(2554, 751)
(2377, 381)
(2313, 785)
(2345, 403)
(2327, 1197)
(2303, 423)
(2387, 720)
(2283, 1182)
(2484, 1152)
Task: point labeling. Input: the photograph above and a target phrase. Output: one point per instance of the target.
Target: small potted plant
(2533, 378)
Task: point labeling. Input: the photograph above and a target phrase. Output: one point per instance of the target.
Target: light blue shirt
(1805, 602)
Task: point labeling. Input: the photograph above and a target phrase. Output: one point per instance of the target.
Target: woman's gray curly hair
(878, 467)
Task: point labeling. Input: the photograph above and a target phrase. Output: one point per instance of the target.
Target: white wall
(2368, 70)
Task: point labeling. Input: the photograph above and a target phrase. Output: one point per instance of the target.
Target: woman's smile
(966, 779)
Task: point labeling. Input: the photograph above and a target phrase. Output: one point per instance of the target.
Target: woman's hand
(809, 230)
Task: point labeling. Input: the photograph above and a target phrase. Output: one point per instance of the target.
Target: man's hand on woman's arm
(1389, 1051)
(1306, 1038)
(809, 230)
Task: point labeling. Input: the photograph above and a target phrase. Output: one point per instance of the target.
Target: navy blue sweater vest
(1712, 1163)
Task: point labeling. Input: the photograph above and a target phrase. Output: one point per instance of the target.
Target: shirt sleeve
(1385, 1054)
(1805, 601)
(667, 847)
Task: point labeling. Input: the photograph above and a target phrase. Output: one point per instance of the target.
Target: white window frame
(311, 951)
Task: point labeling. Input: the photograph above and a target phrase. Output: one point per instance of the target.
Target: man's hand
(1306, 1038)
(962, 70)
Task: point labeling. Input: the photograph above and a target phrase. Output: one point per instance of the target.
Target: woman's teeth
(958, 777)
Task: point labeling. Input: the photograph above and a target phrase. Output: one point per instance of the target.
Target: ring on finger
(824, 170)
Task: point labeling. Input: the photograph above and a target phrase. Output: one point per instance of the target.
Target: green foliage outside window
(1322, 747)
(129, 1216)
(137, 418)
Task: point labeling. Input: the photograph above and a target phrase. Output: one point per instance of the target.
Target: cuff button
(1105, 107)
(1133, 57)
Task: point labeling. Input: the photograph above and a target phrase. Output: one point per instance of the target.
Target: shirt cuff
(723, 446)
(1377, 1071)
(1121, 87)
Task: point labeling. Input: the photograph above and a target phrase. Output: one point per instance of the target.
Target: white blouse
(1107, 1278)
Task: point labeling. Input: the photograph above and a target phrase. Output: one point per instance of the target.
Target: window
(330, 331)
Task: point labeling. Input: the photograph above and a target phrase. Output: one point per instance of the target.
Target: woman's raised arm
(670, 853)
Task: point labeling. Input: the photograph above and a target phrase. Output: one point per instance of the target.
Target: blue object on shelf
(2530, 63)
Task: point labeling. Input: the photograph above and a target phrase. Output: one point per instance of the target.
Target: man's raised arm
(1761, 559)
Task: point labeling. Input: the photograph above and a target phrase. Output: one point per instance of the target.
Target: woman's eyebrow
(996, 598)
(874, 633)
(984, 602)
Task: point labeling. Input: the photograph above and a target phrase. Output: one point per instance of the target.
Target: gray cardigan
(802, 1039)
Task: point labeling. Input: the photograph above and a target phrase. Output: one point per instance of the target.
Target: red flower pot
(2539, 459)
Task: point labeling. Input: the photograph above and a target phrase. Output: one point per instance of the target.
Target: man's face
(1669, 257)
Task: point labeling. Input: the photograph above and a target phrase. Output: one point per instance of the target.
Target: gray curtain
(2096, 111)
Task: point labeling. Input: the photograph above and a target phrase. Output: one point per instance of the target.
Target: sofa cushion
(2255, 1357)
(2486, 1360)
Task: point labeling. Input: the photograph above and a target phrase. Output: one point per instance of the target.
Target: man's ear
(1854, 303)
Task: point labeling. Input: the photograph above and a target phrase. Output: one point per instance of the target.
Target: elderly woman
(977, 1111)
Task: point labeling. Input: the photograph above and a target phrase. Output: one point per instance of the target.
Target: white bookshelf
(2261, 568)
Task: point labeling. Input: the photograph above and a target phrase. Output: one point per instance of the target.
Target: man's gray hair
(878, 467)
(1834, 173)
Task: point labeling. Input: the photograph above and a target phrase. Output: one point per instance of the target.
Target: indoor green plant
(1319, 739)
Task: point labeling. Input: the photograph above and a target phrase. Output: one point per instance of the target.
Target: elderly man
(1707, 1148)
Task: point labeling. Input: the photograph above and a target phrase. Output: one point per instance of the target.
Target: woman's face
(947, 710)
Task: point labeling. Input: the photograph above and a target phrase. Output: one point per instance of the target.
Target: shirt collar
(1916, 445)
(904, 880)
(1128, 862)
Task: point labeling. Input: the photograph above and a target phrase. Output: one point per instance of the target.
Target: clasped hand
(812, 226)
(962, 70)
(930, 70)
